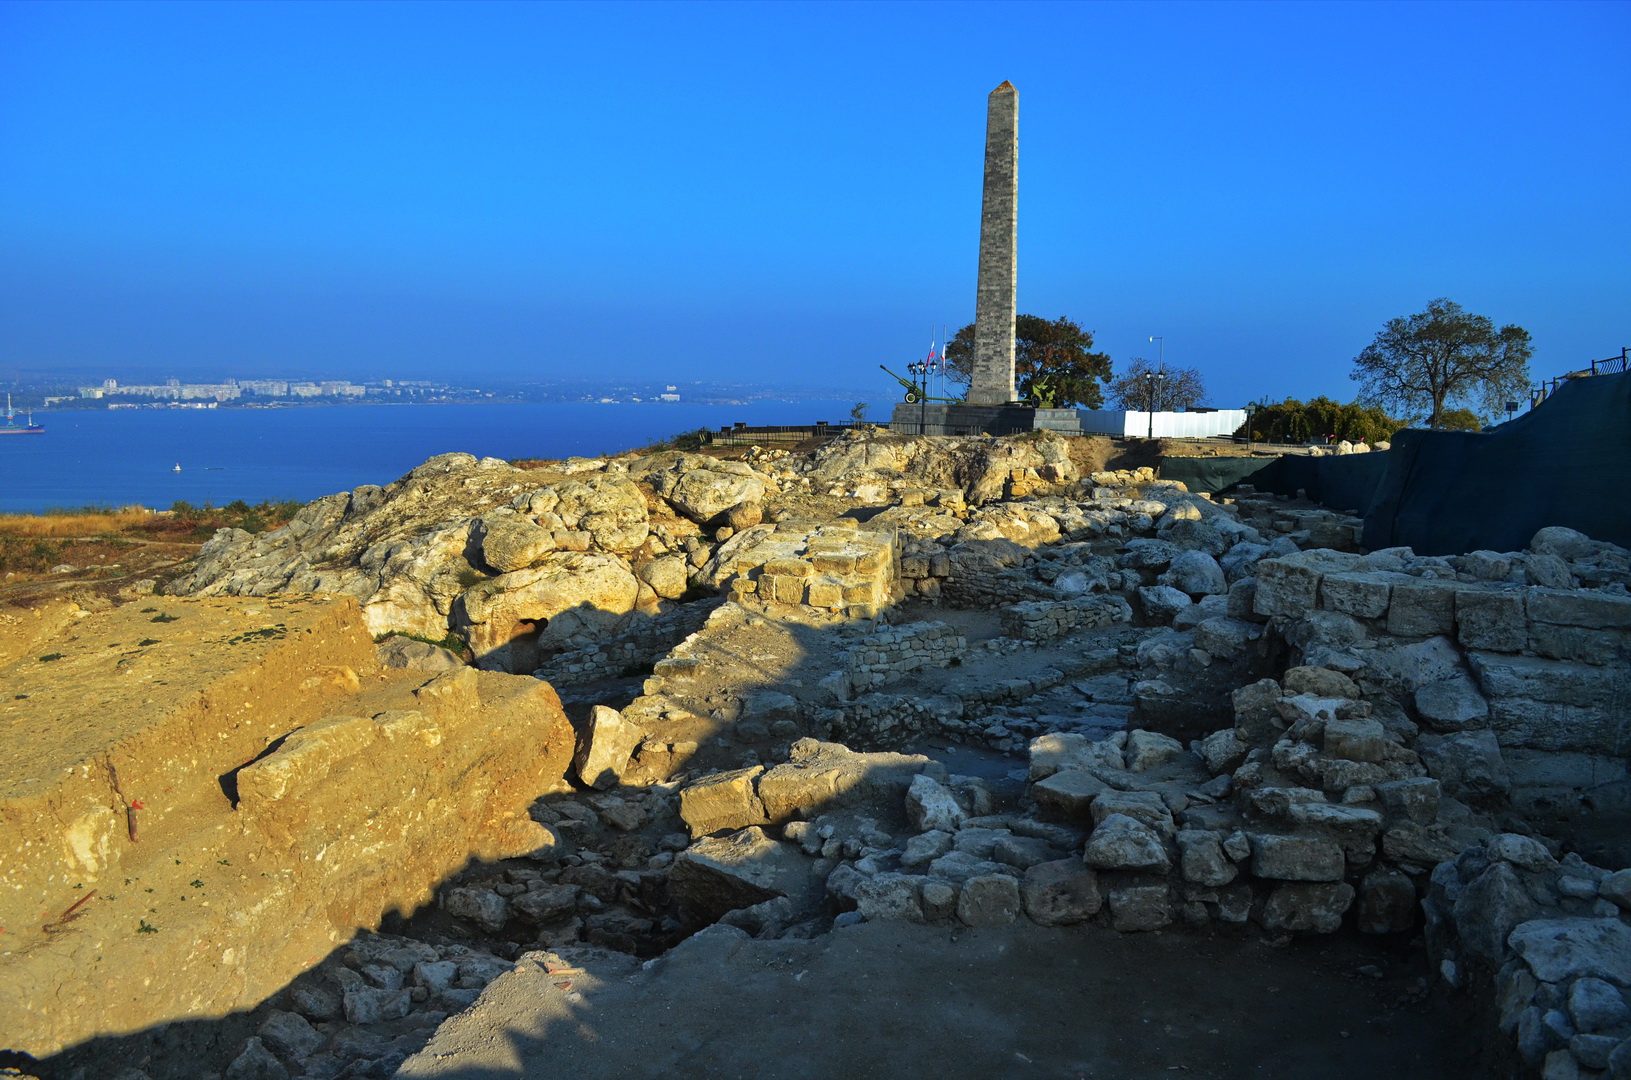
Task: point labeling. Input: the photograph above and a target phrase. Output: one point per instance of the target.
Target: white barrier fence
(1167, 425)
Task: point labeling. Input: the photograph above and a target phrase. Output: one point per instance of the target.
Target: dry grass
(74, 524)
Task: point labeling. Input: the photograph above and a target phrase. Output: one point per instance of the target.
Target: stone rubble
(1225, 714)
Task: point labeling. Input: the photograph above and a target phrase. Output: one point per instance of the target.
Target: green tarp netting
(1343, 483)
(1567, 462)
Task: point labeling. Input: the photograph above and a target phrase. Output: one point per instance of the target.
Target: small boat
(12, 427)
(177, 468)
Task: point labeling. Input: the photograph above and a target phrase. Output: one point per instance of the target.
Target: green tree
(1460, 420)
(1444, 356)
(1054, 362)
(1293, 421)
(858, 414)
(1177, 388)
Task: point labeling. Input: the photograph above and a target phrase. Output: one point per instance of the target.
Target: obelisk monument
(994, 308)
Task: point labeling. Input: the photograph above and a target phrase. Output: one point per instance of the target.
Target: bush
(686, 441)
(1320, 420)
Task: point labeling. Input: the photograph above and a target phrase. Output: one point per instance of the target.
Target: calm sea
(129, 455)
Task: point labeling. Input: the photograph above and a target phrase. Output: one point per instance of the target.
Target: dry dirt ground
(893, 1000)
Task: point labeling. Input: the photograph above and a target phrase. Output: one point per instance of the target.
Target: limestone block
(1616, 888)
(544, 904)
(1144, 806)
(1056, 752)
(510, 541)
(1223, 751)
(1356, 740)
(1276, 801)
(1257, 716)
(727, 800)
(925, 848)
(843, 562)
(1226, 638)
(1466, 762)
(720, 874)
(1308, 908)
(1561, 949)
(289, 1034)
(1541, 725)
(989, 900)
(668, 576)
(1149, 750)
(1320, 682)
(1595, 610)
(939, 899)
(889, 896)
(960, 866)
(1202, 860)
(930, 805)
(705, 494)
(1594, 1005)
(1296, 858)
(1554, 681)
(1286, 587)
(826, 592)
(1421, 609)
(1135, 907)
(1579, 643)
(1416, 799)
(1060, 893)
(1363, 594)
(1387, 903)
(1196, 573)
(1451, 705)
(1162, 602)
(785, 589)
(979, 842)
(1488, 909)
(794, 568)
(1121, 843)
(1491, 619)
(1070, 792)
(1548, 571)
(604, 751)
(1022, 852)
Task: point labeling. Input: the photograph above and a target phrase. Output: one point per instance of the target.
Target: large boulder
(704, 489)
(511, 622)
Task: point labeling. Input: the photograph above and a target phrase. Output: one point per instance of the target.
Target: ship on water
(12, 427)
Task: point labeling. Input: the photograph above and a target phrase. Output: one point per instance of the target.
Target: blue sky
(790, 192)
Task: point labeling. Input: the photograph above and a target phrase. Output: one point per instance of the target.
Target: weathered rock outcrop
(229, 788)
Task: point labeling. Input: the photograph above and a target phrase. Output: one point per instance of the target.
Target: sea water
(128, 456)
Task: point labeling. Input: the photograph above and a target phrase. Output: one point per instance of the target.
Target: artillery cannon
(916, 393)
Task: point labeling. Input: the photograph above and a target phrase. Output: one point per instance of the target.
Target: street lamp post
(1153, 379)
(1152, 382)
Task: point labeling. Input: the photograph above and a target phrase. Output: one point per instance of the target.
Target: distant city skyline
(790, 193)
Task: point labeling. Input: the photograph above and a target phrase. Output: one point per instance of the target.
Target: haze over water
(128, 456)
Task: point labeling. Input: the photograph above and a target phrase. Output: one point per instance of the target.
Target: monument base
(958, 418)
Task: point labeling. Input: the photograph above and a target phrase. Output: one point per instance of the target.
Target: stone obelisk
(994, 309)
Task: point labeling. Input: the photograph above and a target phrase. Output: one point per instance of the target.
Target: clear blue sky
(790, 192)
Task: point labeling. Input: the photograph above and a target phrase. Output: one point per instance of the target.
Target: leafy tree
(1442, 356)
(1054, 362)
(1177, 388)
(1293, 421)
(858, 414)
(1460, 420)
